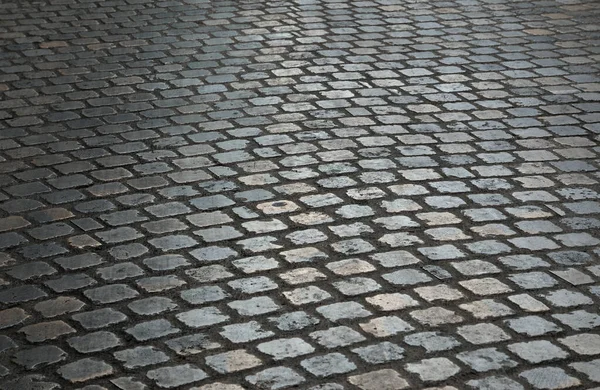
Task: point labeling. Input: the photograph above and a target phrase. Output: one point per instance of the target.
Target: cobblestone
(84, 370)
(323, 195)
(549, 378)
(170, 377)
(433, 370)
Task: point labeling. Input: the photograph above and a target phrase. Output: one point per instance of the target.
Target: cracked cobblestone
(322, 195)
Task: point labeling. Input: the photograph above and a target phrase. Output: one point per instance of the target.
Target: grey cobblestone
(229, 195)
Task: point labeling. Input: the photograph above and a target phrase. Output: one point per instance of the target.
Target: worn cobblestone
(322, 195)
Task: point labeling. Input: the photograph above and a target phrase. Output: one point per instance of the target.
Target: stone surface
(285, 348)
(583, 344)
(385, 379)
(549, 378)
(591, 369)
(486, 359)
(169, 377)
(232, 361)
(39, 356)
(140, 356)
(327, 365)
(84, 370)
(433, 370)
(275, 378)
(307, 194)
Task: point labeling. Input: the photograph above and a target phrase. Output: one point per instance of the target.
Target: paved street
(299, 194)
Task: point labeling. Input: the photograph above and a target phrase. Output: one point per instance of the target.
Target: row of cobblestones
(312, 194)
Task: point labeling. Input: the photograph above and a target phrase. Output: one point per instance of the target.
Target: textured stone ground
(311, 194)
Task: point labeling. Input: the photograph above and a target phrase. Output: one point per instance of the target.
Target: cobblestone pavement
(310, 194)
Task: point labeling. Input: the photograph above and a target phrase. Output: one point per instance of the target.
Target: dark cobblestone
(323, 195)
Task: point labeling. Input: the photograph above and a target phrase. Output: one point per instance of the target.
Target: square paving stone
(482, 333)
(537, 351)
(328, 365)
(285, 348)
(495, 382)
(232, 361)
(39, 356)
(532, 326)
(380, 353)
(486, 359)
(583, 344)
(169, 377)
(140, 357)
(385, 379)
(591, 369)
(192, 344)
(549, 378)
(199, 318)
(275, 378)
(84, 370)
(433, 370)
(343, 310)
